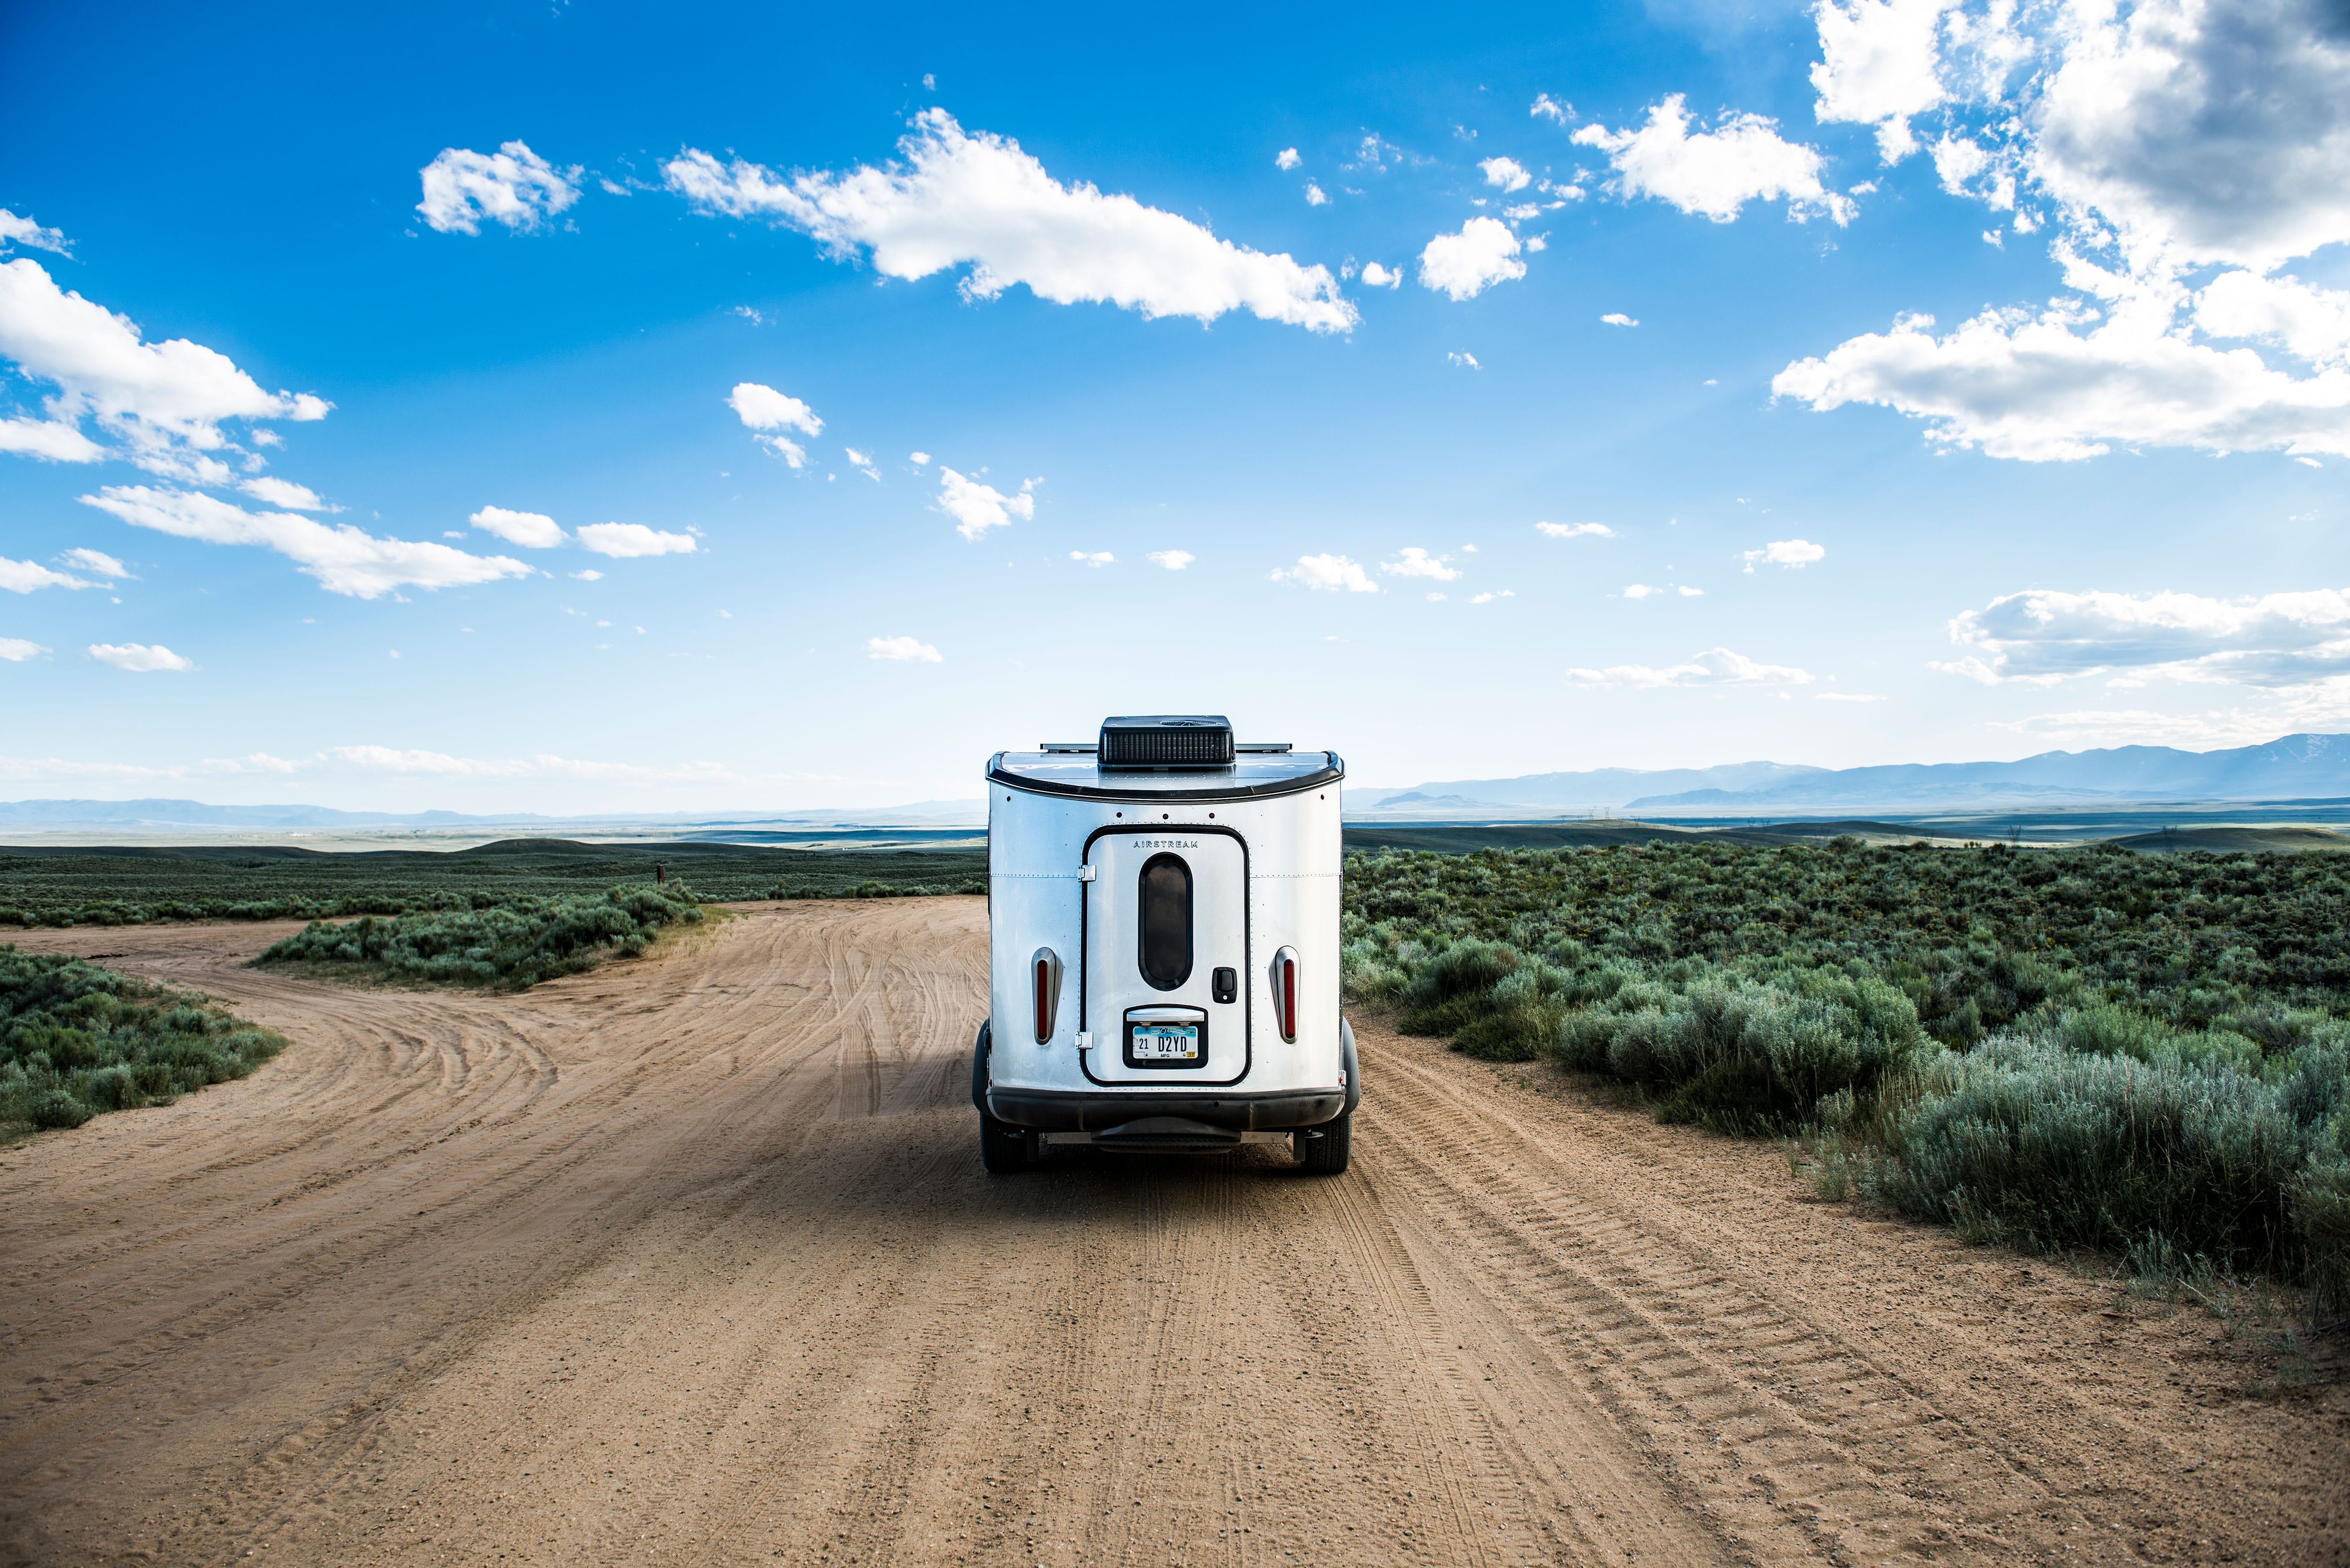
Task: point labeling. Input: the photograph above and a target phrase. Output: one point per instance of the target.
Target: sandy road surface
(691, 1261)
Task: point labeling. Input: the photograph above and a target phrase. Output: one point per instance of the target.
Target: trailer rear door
(1167, 995)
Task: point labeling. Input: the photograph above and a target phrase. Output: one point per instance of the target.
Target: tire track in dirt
(689, 1259)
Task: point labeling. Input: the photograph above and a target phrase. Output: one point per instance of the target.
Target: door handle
(1226, 984)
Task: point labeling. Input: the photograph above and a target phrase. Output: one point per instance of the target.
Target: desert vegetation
(509, 946)
(64, 888)
(76, 1039)
(2057, 1048)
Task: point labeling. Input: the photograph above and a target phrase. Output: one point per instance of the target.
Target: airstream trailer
(1163, 932)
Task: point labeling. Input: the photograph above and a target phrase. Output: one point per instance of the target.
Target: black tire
(1324, 1150)
(1003, 1147)
(979, 1050)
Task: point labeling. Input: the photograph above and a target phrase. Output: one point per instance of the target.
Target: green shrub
(509, 946)
(77, 1039)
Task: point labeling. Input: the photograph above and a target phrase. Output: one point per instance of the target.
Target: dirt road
(691, 1259)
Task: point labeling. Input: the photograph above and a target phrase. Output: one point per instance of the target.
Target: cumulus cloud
(343, 559)
(1287, 159)
(1330, 574)
(1465, 265)
(17, 650)
(2169, 136)
(17, 231)
(284, 492)
(139, 657)
(1715, 172)
(2027, 386)
(863, 464)
(1315, 196)
(1880, 64)
(1414, 561)
(26, 576)
(1488, 598)
(1545, 106)
(978, 507)
(1576, 530)
(1378, 277)
(166, 400)
(954, 197)
(764, 409)
(513, 186)
(1786, 552)
(2041, 638)
(1618, 318)
(1093, 558)
(625, 540)
(1172, 560)
(1506, 173)
(1640, 591)
(1714, 667)
(901, 648)
(1466, 361)
(97, 563)
(51, 440)
(533, 530)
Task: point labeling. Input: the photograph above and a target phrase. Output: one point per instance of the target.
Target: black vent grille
(1166, 741)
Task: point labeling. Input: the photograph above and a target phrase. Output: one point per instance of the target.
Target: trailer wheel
(1324, 1150)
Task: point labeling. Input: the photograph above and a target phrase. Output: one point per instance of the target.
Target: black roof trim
(1320, 779)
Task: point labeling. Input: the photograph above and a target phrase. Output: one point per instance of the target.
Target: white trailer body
(1163, 945)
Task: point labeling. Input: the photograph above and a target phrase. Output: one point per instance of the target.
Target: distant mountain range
(2297, 767)
(195, 815)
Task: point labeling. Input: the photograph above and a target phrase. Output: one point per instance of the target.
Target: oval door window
(1165, 918)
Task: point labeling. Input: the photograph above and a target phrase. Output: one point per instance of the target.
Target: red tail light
(1285, 993)
(1045, 971)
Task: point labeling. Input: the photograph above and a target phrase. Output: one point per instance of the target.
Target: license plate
(1164, 1042)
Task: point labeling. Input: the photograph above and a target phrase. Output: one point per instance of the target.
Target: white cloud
(1330, 574)
(1093, 558)
(919, 458)
(2169, 135)
(957, 198)
(52, 440)
(2312, 323)
(626, 540)
(1715, 172)
(1488, 598)
(163, 399)
(1640, 591)
(1506, 173)
(17, 231)
(139, 657)
(1378, 277)
(26, 576)
(533, 530)
(1576, 530)
(1618, 318)
(1545, 106)
(1880, 64)
(1414, 561)
(589, 575)
(1798, 553)
(1172, 560)
(766, 409)
(1466, 361)
(1844, 697)
(97, 563)
(901, 648)
(1287, 159)
(2028, 387)
(1521, 212)
(1465, 265)
(513, 186)
(1315, 196)
(977, 507)
(284, 492)
(1689, 593)
(1714, 667)
(2041, 638)
(17, 650)
(342, 558)
(440, 764)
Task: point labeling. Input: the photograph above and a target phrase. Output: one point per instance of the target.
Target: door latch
(1087, 873)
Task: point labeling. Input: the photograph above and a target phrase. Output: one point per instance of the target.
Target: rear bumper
(1091, 1111)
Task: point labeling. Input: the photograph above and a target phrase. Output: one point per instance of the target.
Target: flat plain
(689, 1259)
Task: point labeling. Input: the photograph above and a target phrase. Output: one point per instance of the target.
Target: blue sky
(455, 406)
